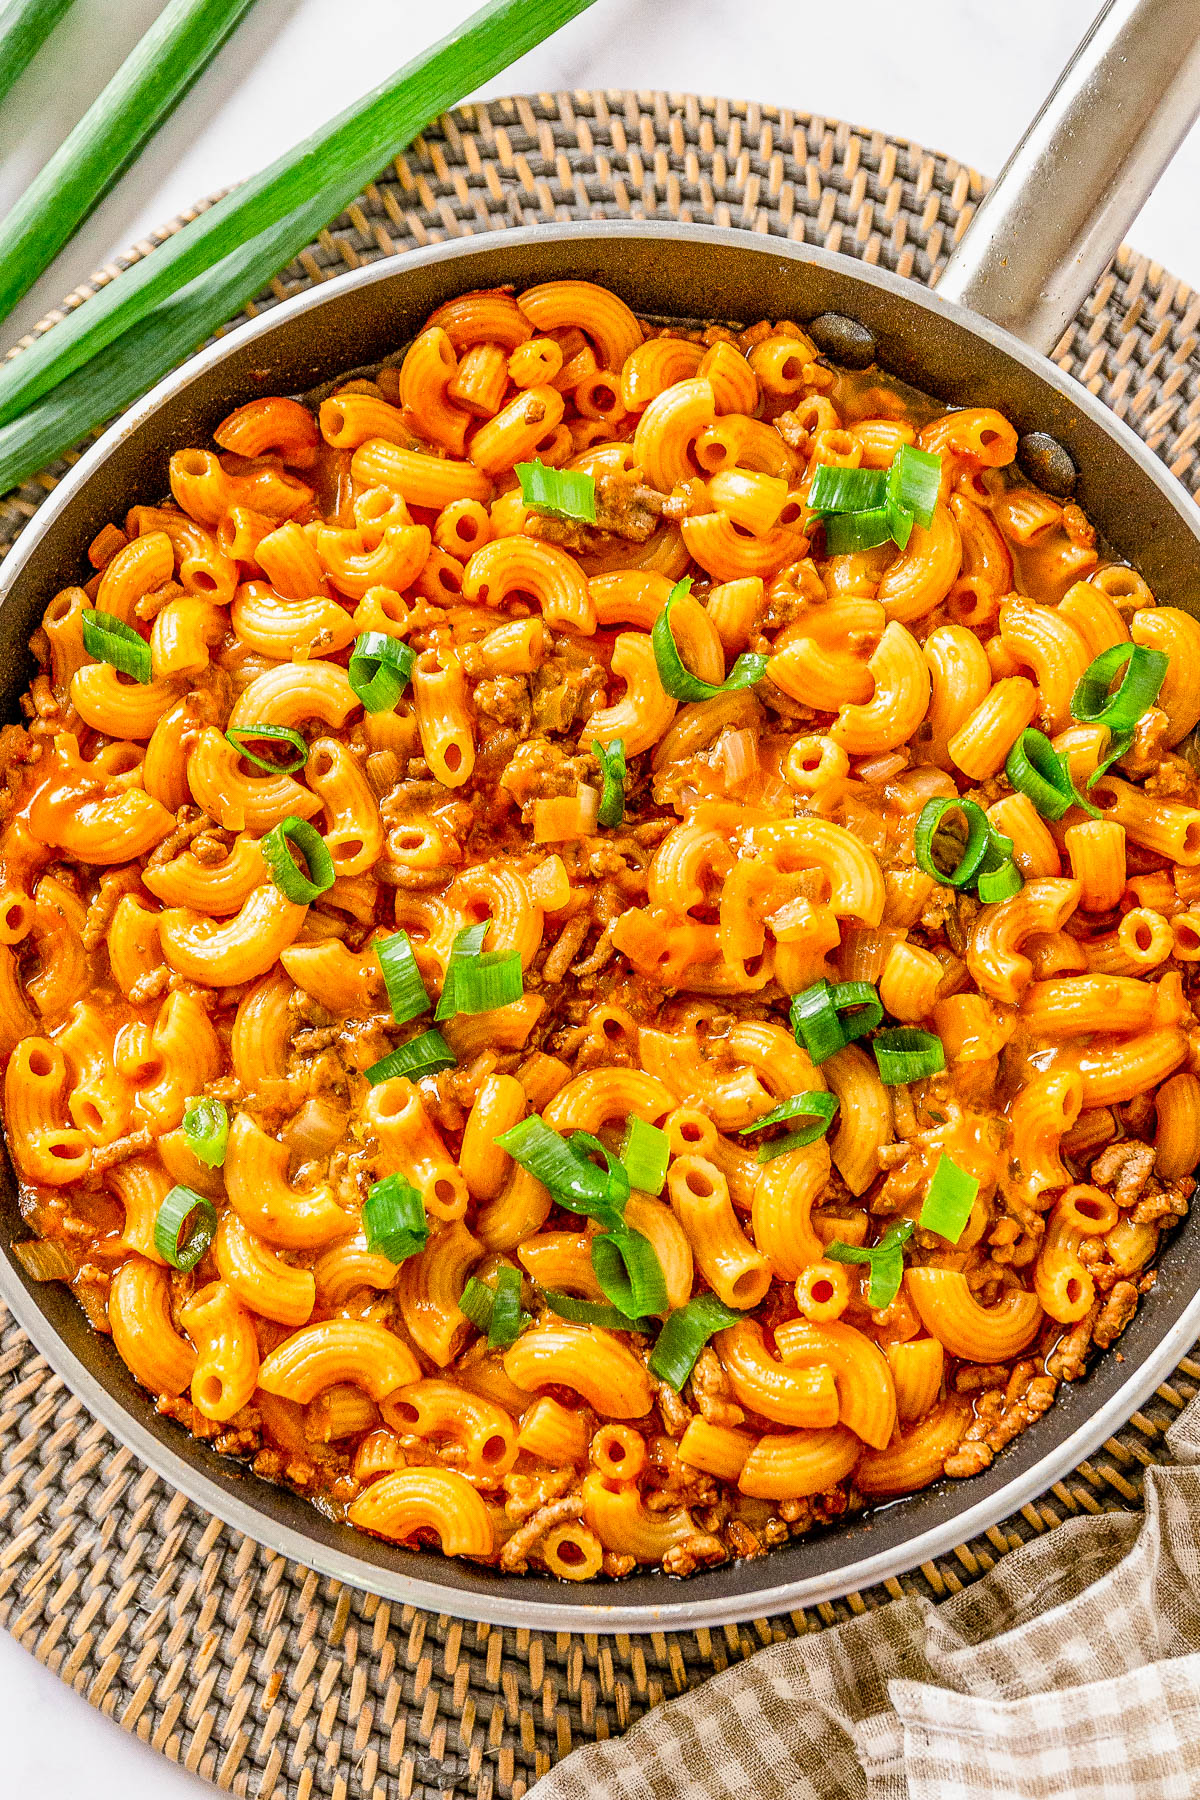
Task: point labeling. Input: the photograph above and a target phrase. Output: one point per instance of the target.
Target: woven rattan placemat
(266, 1678)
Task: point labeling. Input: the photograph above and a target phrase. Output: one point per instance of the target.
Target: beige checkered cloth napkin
(1071, 1672)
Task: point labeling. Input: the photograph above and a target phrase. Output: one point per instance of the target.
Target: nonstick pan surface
(664, 270)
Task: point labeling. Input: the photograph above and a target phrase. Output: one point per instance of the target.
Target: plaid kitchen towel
(1071, 1672)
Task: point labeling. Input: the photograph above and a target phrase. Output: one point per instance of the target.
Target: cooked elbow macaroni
(148, 959)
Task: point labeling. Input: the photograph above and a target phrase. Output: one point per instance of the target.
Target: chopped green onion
(203, 275)
(858, 1007)
(1000, 883)
(677, 680)
(496, 1309)
(839, 490)
(380, 670)
(585, 1149)
(468, 943)
(406, 992)
(900, 524)
(281, 864)
(947, 1205)
(113, 642)
(394, 1219)
(567, 493)
(507, 1320)
(611, 758)
(863, 508)
(206, 1130)
(1119, 742)
(645, 1152)
(971, 857)
(566, 1169)
(903, 1054)
(184, 1228)
(242, 736)
(479, 981)
(24, 27)
(913, 482)
(629, 1272)
(592, 1312)
(817, 1106)
(421, 1056)
(815, 1023)
(825, 1019)
(476, 1301)
(1036, 768)
(848, 533)
(1096, 702)
(886, 1260)
(684, 1336)
(151, 81)
(484, 982)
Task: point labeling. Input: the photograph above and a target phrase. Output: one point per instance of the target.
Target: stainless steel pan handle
(1076, 181)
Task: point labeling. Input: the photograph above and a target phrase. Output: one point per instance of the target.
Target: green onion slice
(1119, 742)
(468, 943)
(913, 482)
(858, 1006)
(684, 1336)
(394, 1219)
(592, 1312)
(825, 1019)
(611, 758)
(1036, 768)
(886, 1260)
(1000, 883)
(817, 1106)
(421, 1056)
(507, 1320)
(645, 1152)
(947, 1205)
(567, 493)
(678, 680)
(999, 877)
(848, 533)
(614, 1175)
(478, 981)
(932, 835)
(567, 1169)
(477, 1300)
(900, 524)
(836, 490)
(903, 1054)
(815, 1023)
(281, 864)
(496, 1309)
(206, 1129)
(484, 982)
(113, 642)
(242, 736)
(184, 1228)
(629, 1272)
(1095, 700)
(406, 992)
(380, 669)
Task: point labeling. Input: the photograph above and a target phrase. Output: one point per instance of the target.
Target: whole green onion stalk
(132, 332)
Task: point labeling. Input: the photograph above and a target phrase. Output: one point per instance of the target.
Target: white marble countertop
(962, 76)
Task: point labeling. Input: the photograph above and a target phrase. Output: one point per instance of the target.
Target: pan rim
(508, 1600)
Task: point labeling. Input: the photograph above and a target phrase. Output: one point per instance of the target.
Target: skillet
(1046, 231)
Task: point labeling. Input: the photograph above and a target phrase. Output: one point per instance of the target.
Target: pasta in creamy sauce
(611, 1013)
